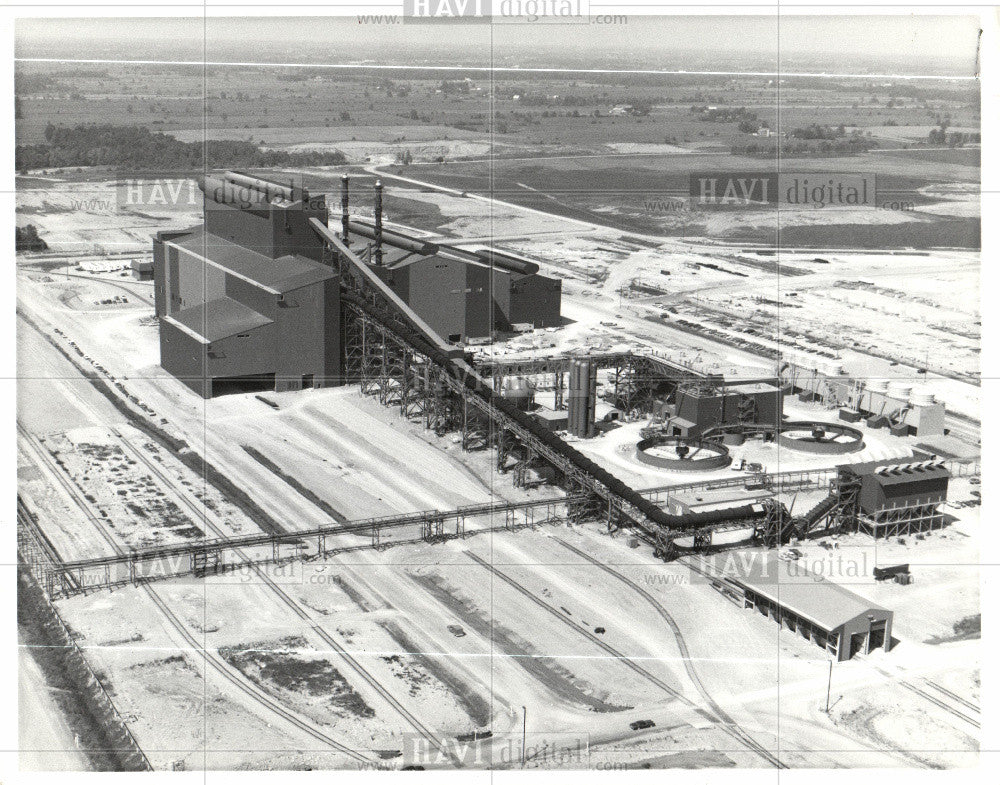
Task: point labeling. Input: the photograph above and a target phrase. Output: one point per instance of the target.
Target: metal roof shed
(803, 601)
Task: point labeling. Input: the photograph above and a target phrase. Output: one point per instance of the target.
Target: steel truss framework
(899, 521)
(225, 554)
(639, 379)
(387, 365)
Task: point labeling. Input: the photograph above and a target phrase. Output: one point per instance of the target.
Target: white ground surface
(395, 611)
(101, 217)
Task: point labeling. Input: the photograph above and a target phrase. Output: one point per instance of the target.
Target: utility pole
(524, 733)
(829, 681)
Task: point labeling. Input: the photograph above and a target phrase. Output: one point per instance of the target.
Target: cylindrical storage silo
(900, 390)
(519, 392)
(922, 397)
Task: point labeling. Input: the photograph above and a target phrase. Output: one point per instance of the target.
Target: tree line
(134, 148)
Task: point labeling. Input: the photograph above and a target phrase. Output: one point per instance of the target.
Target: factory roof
(218, 319)
(283, 274)
(721, 496)
(551, 415)
(804, 593)
(394, 258)
(753, 387)
(897, 473)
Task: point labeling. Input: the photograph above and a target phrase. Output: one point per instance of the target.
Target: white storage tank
(519, 392)
(922, 397)
(878, 385)
(900, 390)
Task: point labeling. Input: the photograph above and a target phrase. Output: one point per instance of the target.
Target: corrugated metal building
(452, 296)
(699, 409)
(888, 486)
(803, 602)
(240, 312)
(464, 298)
(460, 293)
(525, 298)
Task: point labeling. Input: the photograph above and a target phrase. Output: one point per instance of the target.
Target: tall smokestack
(378, 223)
(344, 203)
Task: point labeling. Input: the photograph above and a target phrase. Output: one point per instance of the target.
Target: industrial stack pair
(582, 398)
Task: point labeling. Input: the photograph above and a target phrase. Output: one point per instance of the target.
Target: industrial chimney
(344, 202)
(378, 223)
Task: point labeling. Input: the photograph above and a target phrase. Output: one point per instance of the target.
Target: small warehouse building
(834, 618)
(142, 269)
(710, 500)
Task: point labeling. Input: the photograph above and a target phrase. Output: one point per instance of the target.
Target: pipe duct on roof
(395, 239)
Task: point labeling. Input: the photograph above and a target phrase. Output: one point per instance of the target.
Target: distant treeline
(848, 145)
(134, 148)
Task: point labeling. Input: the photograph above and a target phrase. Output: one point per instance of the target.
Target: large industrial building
(461, 294)
(704, 407)
(243, 300)
(803, 602)
(893, 498)
(246, 301)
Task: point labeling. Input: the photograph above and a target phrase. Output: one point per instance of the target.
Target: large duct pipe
(266, 187)
(378, 223)
(507, 262)
(225, 192)
(396, 239)
(344, 205)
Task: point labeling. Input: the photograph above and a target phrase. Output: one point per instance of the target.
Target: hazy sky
(877, 39)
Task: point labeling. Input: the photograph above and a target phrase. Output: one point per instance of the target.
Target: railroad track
(27, 519)
(224, 670)
(202, 515)
(45, 460)
(941, 704)
(627, 661)
(422, 729)
(722, 717)
(222, 667)
(954, 696)
(937, 701)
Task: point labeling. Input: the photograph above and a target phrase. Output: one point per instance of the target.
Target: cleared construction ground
(155, 519)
